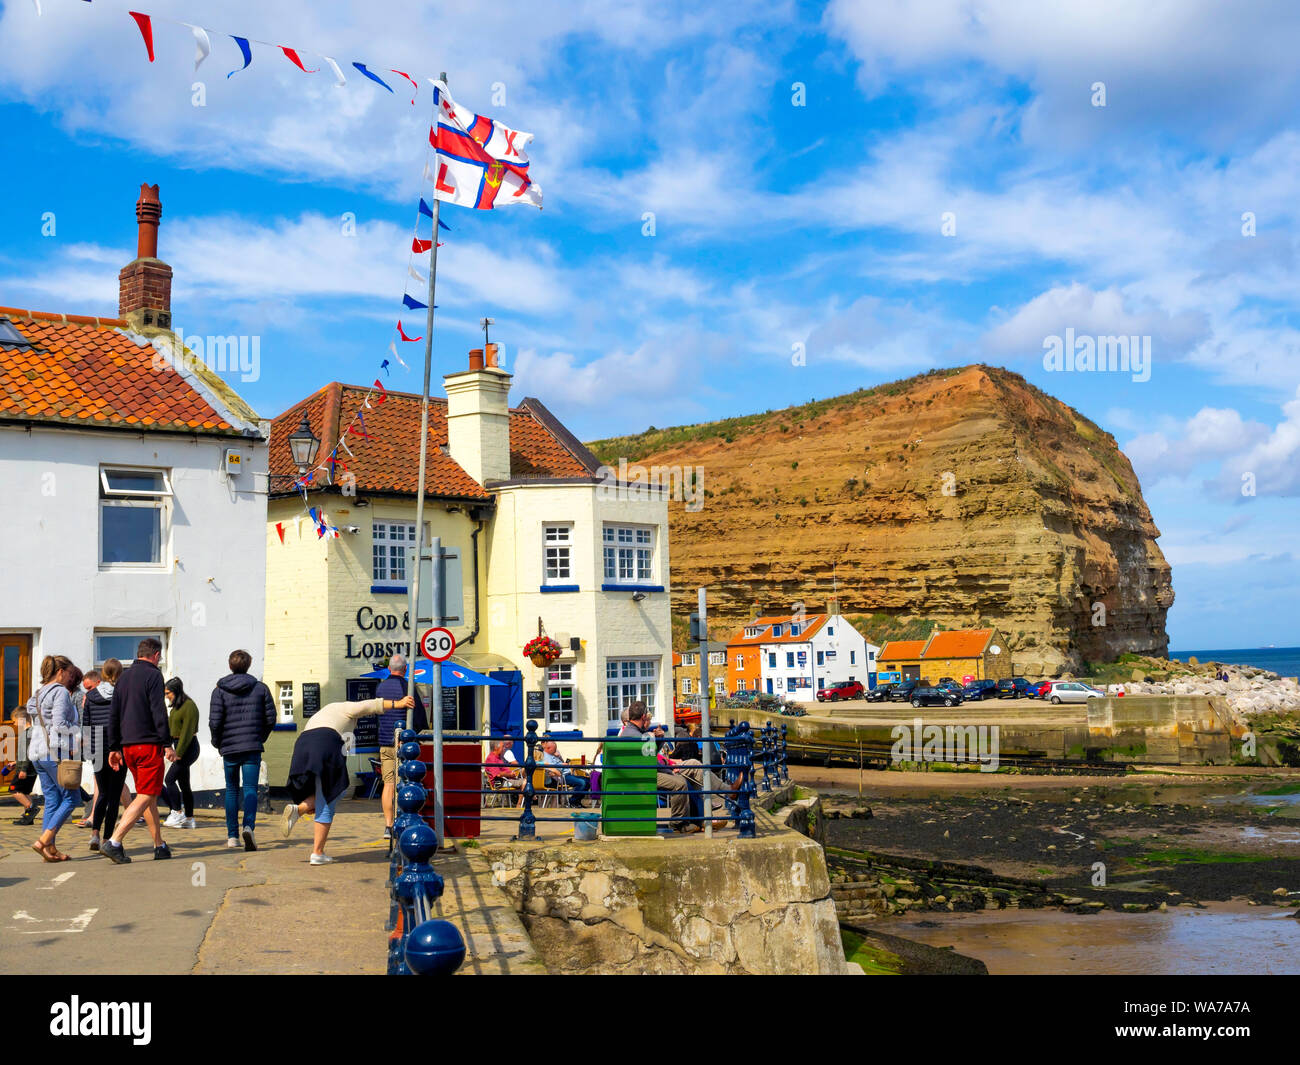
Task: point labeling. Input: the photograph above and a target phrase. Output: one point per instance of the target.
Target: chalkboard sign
(310, 698)
(536, 706)
(366, 736)
(450, 706)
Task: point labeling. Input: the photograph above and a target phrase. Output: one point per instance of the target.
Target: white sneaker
(290, 818)
(233, 844)
(189, 822)
(320, 859)
(174, 819)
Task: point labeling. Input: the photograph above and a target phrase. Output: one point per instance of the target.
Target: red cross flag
(480, 163)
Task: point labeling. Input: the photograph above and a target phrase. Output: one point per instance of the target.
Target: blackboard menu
(536, 707)
(450, 706)
(310, 698)
(366, 736)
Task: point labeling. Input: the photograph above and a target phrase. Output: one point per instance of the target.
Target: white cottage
(135, 484)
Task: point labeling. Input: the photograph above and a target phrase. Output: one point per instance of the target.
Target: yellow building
(543, 536)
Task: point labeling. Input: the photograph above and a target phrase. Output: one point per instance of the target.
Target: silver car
(1073, 691)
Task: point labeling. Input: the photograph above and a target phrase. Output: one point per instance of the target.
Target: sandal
(39, 848)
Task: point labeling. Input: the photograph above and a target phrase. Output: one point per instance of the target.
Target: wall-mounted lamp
(638, 596)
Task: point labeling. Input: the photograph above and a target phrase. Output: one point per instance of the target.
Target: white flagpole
(424, 442)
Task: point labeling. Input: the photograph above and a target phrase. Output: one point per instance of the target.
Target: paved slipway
(208, 910)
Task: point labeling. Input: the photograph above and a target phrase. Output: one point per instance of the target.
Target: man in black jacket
(241, 717)
(139, 738)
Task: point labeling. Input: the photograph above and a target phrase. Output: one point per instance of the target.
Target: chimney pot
(145, 283)
(148, 211)
(490, 354)
(476, 359)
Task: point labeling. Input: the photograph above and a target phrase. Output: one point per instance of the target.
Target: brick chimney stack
(478, 419)
(145, 283)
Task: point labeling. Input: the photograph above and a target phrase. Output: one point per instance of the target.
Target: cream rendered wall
(315, 589)
(610, 624)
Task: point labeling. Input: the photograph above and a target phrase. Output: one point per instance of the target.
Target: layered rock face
(963, 495)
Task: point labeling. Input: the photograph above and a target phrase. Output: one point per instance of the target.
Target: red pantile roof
(901, 650)
(810, 624)
(390, 460)
(87, 372)
(959, 643)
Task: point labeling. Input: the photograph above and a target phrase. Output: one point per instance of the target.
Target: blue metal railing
(423, 945)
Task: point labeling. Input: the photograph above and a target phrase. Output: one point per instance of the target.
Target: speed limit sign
(438, 644)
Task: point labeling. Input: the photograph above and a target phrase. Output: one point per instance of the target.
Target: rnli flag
(480, 163)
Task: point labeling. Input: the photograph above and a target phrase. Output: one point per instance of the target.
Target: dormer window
(776, 631)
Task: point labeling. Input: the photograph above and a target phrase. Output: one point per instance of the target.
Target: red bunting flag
(145, 23)
(415, 88)
(383, 392)
(354, 431)
(409, 340)
(420, 246)
(279, 527)
(293, 58)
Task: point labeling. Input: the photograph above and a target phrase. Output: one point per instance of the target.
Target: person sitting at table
(577, 783)
(501, 767)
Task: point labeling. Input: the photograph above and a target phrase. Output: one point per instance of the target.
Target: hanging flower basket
(542, 651)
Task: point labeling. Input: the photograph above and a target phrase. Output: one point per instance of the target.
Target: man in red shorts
(139, 737)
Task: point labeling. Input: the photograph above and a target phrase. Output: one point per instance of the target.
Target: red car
(1041, 690)
(849, 689)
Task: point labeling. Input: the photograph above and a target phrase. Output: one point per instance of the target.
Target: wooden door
(15, 686)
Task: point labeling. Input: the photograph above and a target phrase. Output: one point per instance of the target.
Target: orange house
(744, 667)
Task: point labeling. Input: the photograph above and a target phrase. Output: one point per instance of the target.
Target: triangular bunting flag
(202, 46)
(373, 77)
(414, 87)
(409, 340)
(279, 527)
(419, 247)
(339, 79)
(146, 30)
(247, 53)
(292, 56)
(383, 392)
(425, 209)
(413, 304)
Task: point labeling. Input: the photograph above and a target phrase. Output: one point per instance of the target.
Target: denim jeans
(247, 766)
(59, 802)
(324, 812)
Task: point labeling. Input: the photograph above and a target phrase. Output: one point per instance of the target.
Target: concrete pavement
(208, 910)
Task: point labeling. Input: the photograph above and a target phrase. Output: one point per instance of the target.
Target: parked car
(935, 696)
(977, 690)
(1014, 688)
(881, 694)
(949, 684)
(902, 691)
(744, 696)
(1072, 691)
(845, 689)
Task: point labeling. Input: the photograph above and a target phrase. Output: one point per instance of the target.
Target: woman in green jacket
(183, 719)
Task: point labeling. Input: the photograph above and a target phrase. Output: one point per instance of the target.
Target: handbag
(69, 770)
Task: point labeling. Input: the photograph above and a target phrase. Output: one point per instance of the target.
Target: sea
(1281, 660)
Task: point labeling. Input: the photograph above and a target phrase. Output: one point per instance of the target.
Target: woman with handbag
(53, 751)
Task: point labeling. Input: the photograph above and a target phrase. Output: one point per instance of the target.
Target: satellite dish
(995, 649)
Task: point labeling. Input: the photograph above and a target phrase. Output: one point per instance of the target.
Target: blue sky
(781, 217)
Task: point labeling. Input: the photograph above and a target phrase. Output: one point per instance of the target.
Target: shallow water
(1225, 940)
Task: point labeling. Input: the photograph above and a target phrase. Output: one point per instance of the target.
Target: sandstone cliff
(962, 495)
